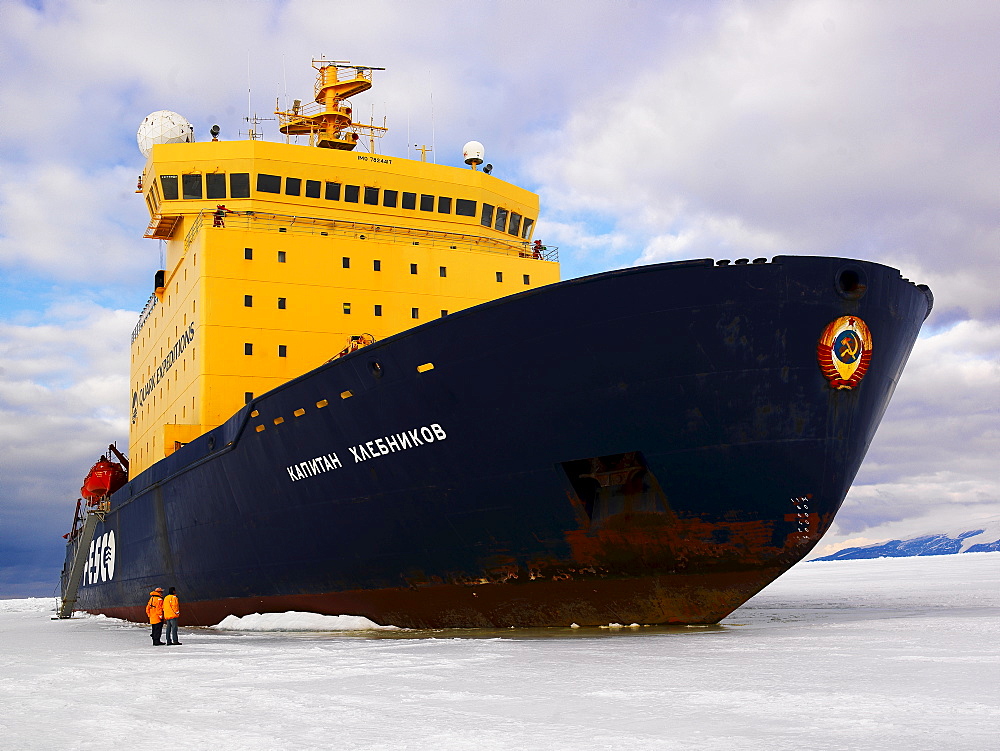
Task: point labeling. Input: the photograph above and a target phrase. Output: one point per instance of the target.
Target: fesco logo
(101, 560)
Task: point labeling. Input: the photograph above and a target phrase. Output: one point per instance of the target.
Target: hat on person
(158, 589)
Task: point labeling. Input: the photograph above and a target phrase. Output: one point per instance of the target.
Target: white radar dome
(472, 153)
(163, 126)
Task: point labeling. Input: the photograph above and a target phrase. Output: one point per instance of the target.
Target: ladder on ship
(80, 555)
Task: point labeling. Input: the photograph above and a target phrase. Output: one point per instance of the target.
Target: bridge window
(465, 207)
(500, 223)
(332, 191)
(444, 205)
(371, 196)
(486, 218)
(351, 193)
(293, 186)
(268, 183)
(192, 186)
(409, 200)
(526, 228)
(312, 188)
(515, 224)
(215, 185)
(169, 185)
(389, 198)
(239, 185)
(426, 202)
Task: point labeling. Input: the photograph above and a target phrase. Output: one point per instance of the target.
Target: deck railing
(306, 225)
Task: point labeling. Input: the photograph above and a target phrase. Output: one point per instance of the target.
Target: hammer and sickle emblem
(851, 347)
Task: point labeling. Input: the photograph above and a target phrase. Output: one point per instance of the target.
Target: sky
(893, 653)
(652, 131)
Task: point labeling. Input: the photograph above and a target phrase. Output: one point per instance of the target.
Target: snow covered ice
(897, 653)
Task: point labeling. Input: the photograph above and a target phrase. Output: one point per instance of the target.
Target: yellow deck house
(279, 256)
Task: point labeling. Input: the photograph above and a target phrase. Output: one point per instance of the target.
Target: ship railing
(307, 225)
(147, 311)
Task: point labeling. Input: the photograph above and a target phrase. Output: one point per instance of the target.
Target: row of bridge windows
(215, 186)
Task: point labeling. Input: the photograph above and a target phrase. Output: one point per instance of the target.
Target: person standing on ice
(171, 612)
(154, 611)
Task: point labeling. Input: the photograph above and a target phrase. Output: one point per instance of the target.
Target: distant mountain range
(984, 539)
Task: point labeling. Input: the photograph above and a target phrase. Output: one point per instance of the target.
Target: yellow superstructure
(277, 254)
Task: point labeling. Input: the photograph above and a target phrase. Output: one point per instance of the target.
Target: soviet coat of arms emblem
(844, 351)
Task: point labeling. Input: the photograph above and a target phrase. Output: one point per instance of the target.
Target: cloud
(812, 127)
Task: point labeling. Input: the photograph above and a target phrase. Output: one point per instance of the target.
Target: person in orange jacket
(171, 612)
(154, 611)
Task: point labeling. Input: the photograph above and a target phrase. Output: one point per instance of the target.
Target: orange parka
(171, 607)
(154, 608)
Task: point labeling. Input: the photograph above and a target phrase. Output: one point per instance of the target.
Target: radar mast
(329, 120)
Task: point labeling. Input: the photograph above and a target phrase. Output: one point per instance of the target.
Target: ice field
(897, 653)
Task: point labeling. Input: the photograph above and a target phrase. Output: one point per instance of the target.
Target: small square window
(389, 198)
(465, 207)
(347, 308)
(248, 253)
(281, 301)
(444, 313)
(443, 271)
(347, 262)
(414, 312)
(409, 200)
(248, 301)
(499, 276)
(312, 188)
(444, 205)
(527, 279)
(486, 219)
(247, 397)
(378, 310)
(413, 268)
(332, 192)
(426, 202)
(282, 350)
(377, 265)
(293, 186)
(248, 349)
(351, 193)
(281, 256)
(371, 196)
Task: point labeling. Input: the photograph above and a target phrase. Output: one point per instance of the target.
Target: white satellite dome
(472, 153)
(163, 126)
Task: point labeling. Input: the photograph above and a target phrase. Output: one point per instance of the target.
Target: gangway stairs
(83, 539)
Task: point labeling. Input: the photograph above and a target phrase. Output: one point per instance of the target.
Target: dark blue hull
(652, 445)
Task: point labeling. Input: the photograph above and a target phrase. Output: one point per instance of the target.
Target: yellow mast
(327, 121)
